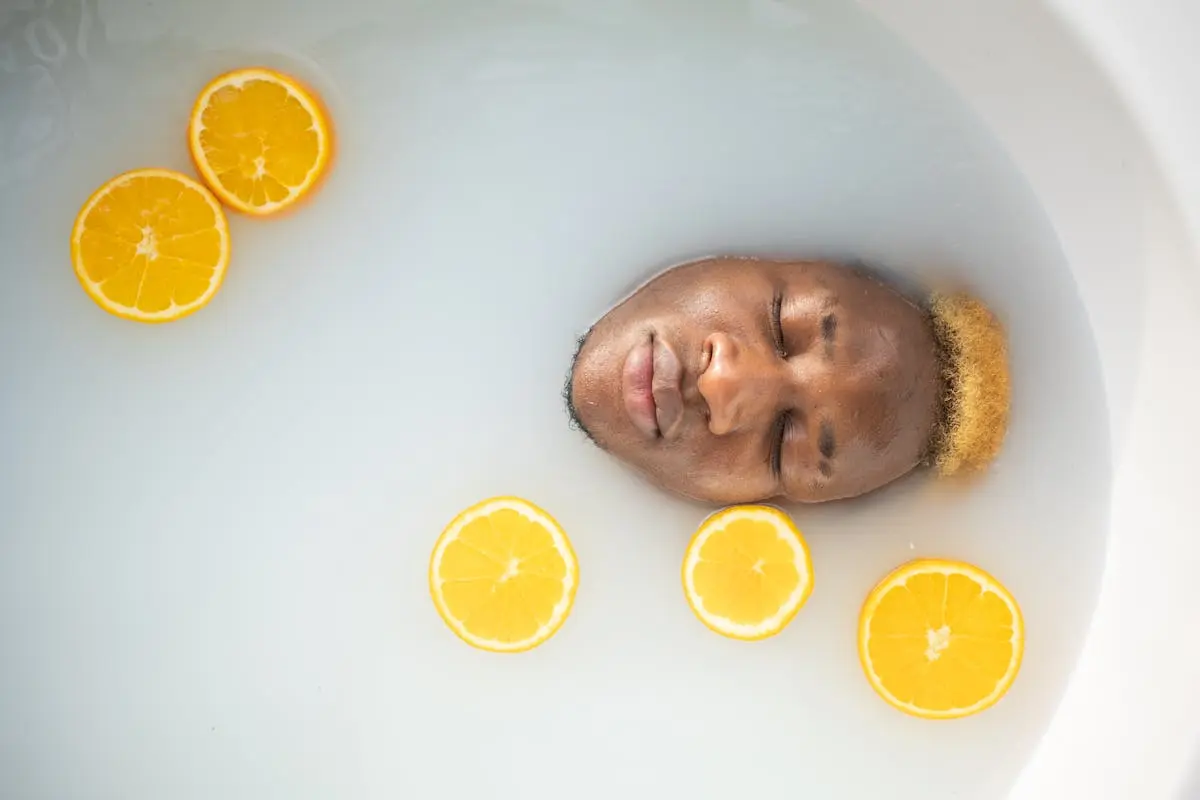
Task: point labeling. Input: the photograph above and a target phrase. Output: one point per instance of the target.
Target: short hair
(976, 386)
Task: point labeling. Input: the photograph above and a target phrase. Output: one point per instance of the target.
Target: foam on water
(214, 534)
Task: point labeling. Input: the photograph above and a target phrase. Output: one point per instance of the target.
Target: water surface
(214, 534)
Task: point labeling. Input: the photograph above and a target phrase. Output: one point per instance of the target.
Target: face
(733, 380)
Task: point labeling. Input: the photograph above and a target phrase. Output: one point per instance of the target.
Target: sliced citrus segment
(503, 575)
(260, 139)
(747, 572)
(151, 245)
(940, 639)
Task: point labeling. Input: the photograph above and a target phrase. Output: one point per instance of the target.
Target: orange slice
(940, 639)
(747, 572)
(503, 575)
(260, 139)
(151, 245)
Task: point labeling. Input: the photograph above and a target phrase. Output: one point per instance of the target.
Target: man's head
(732, 380)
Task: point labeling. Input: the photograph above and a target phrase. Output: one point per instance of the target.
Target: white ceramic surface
(213, 535)
(1081, 93)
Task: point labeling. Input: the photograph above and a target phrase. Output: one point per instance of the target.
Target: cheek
(865, 467)
(720, 472)
(703, 304)
(701, 312)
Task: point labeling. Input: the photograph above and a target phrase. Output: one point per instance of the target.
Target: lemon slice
(747, 572)
(940, 639)
(503, 575)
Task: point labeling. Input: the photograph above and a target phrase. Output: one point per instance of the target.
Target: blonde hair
(976, 385)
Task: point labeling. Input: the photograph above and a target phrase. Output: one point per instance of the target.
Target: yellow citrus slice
(503, 575)
(260, 139)
(151, 245)
(940, 639)
(747, 572)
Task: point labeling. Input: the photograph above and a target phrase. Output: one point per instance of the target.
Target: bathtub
(271, 657)
(1071, 87)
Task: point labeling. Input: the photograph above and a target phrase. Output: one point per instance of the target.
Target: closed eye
(777, 324)
(779, 432)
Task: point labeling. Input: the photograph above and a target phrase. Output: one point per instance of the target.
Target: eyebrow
(825, 440)
(829, 325)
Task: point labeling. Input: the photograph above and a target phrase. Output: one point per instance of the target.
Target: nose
(738, 385)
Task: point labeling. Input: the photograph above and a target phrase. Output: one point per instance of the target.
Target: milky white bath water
(214, 534)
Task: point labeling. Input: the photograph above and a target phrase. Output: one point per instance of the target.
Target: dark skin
(735, 380)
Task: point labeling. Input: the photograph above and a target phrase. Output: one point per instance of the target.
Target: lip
(637, 388)
(667, 388)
